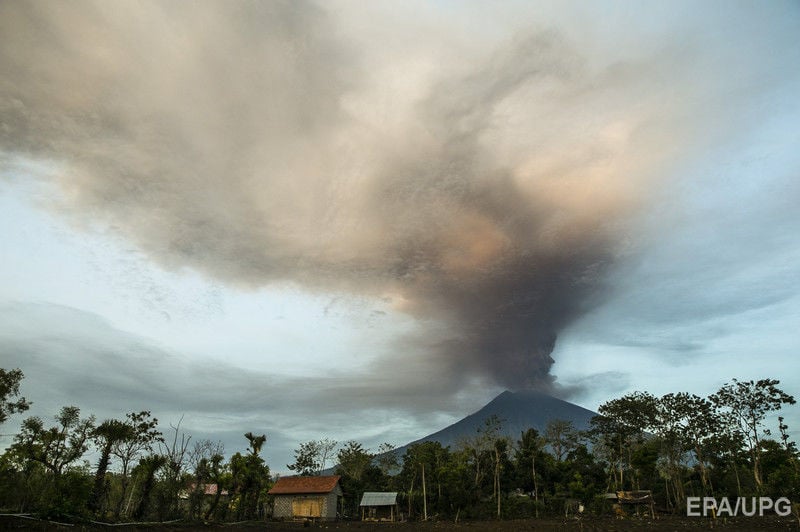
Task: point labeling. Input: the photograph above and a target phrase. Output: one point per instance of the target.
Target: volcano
(518, 411)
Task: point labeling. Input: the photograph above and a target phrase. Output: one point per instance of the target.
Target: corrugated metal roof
(379, 498)
(297, 485)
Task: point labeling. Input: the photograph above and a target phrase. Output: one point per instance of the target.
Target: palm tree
(150, 465)
(105, 436)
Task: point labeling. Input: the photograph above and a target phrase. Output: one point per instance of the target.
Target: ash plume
(485, 190)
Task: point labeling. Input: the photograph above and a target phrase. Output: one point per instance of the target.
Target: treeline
(676, 446)
(155, 476)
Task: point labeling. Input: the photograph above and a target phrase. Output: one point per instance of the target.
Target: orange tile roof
(211, 489)
(207, 489)
(297, 485)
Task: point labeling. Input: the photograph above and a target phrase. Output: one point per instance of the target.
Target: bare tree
(561, 436)
(200, 462)
(175, 453)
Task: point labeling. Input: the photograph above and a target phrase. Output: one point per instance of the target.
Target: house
(306, 497)
(204, 499)
(379, 506)
(209, 490)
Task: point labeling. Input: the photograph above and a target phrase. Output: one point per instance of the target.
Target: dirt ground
(586, 523)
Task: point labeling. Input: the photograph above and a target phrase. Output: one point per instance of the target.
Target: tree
(9, 390)
(148, 466)
(144, 434)
(353, 460)
(491, 440)
(326, 448)
(725, 446)
(201, 462)
(425, 464)
(387, 458)
(783, 428)
(55, 450)
(175, 453)
(216, 470)
(58, 446)
(250, 476)
(749, 403)
(358, 472)
(620, 429)
(306, 459)
(669, 424)
(255, 443)
(481, 451)
(500, 447)
(529, 447)
(105, 436)
(312, 456)
(700, 425)
(781, 470)
(561, 437)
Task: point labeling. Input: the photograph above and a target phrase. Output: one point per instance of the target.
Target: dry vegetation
(589, 523)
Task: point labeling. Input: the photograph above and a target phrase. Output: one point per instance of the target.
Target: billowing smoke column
(481, 191)
(506, 269)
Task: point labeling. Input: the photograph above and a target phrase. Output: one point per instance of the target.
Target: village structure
(634, 499)
(314, 498)
(379, 506)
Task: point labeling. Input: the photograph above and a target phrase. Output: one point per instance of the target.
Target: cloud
(489, 196)
(75, 357)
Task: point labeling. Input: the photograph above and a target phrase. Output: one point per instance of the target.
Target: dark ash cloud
(252, 142)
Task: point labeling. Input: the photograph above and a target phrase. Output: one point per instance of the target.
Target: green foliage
(387, 458)
(425, 468)
(146, 472)
(10, 402)
(783, 470)
(141, 435)
(312, 456)
(360, 473)
(674, 445)
(106, 435)
(43, 467)
(249, 479)
(619, 430)
(58, 446)
(353, 460)
(746, 405)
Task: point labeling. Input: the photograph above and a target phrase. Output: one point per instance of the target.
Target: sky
(364, 220)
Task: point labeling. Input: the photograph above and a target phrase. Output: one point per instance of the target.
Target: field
(662, 523)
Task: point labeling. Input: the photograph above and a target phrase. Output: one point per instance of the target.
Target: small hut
(632, 498)
(379, 506)
(306, 497)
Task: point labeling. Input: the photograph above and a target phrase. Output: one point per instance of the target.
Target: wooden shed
(632, 498)
(379, 506)
(306, 497)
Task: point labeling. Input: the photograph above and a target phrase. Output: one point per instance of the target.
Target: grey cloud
(74, 357)
(227, 139)
(610, 382)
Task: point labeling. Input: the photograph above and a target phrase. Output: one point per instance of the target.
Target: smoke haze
(484, 183)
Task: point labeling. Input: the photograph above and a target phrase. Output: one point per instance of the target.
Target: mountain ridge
(517, 411)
